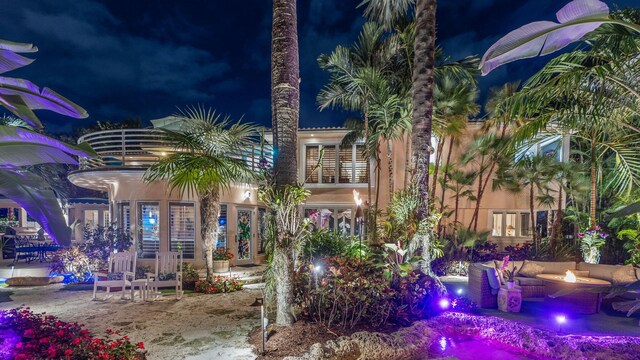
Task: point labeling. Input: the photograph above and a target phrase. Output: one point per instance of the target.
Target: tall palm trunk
(556, 233)
(209, 214)
(594, 181)
(407, 161)
(390, 168)
(422, 99)
(367, 154)
(534, 233)
(285, 107)
(446, 173)
(436, 168)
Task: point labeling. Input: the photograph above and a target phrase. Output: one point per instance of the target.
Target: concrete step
(257, 286)
(252, 279)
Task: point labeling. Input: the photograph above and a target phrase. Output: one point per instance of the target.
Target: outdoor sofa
(484, 278)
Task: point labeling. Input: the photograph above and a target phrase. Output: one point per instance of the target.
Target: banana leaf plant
(575, 20)
(21, 96)
(21, 147)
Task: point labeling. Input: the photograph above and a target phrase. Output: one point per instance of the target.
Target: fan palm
(201, 165)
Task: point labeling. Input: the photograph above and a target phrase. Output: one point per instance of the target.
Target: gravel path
(195, 327)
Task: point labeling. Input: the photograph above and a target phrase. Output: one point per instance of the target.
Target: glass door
(148, 230)
(244, 234)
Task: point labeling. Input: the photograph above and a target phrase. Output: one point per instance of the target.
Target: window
(510, 225)
(552, 149)
(124, 219)
(182, 229)
(262, 229)
(346, 165)
(149, 229)
(312, 155)
(330, 219)
(497, 225)
(222, 228)
(91, 218)
(329, 165)
(343, 165)
(525, 224)
(106, 218)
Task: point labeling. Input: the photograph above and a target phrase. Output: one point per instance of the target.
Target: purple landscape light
(444, 303)
(561, 319)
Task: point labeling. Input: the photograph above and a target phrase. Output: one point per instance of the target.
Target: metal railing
(140, 148)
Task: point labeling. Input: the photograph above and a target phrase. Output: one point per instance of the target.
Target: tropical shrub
(344, 292)
(519, 252)
(92, 254)
(323, 243)
(484, 251)
(219, 284)
(190, 276)
(25, 335)
(222, 254)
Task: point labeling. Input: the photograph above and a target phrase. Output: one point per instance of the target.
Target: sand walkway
(196, 327)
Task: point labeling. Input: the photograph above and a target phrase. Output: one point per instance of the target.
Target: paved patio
(535, 313)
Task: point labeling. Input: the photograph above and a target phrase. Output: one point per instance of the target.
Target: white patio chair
(168, 273)
(120, 273)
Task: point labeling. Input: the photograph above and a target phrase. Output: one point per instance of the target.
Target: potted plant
(590, 244)
(509, 273)
(221, 259)
(189, 276)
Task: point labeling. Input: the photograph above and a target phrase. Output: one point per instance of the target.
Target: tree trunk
(594, 193)
(446, 174)
(367, 155)
(534, 233)
(285, 107)
(209, 214)
(436, 168)
(390, 168)
(407, 161)
(556, 236)
(422, 99)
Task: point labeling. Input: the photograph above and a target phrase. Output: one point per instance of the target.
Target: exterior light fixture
(459, 291)
(561, 319)
(359, 218)
(260, 302)
(247, 195)
(444, 303)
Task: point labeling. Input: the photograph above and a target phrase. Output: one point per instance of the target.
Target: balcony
(139, 148)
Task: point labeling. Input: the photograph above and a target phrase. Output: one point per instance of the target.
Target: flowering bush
(92, 254)
(519, 252)
(222, 254)
(590, 244)
(25, 335)
(504, 268)
(219, 284)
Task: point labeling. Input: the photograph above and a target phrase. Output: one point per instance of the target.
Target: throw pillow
(530, 269)
(115, 276)
(494, 280)
(624, 275)
(166, 276)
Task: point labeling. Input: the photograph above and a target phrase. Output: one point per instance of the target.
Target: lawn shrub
(25, 335)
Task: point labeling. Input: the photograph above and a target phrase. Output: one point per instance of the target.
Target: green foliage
(218, 284)
(189, 273)
(324, 243)
(590, 243)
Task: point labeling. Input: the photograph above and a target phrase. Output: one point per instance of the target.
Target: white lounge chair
(168, 273)
(120, 273)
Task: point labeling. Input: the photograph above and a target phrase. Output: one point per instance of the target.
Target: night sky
(144, 58)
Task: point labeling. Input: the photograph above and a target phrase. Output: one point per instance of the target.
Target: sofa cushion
(494, 280)
(581, 273)
(530, 269)
(599, 271)
(638, 273)
(623, 275)
(527, 281)
(556, 267)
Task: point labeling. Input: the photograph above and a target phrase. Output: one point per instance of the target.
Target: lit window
(343, 165)
(312, 155)
(149, 229)
(124, 211)
(511, 225)
(91, 218)
(222, 228)
(497, 225)
(182, 229)
(329, 165)
(360, 165)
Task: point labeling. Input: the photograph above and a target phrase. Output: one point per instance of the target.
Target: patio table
(581, 301)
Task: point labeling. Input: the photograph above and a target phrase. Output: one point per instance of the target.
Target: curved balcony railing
(138, 148)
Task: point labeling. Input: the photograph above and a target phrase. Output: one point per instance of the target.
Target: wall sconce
(247, 195)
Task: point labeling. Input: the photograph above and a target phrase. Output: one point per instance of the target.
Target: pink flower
(505, 262)
(598, 227)
(580, 235)
(19, 345)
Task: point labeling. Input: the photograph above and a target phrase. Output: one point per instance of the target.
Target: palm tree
(201, 166)
(570, 180)
(285, 111)
(534, 172)
(358, 81)
(455, 100)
